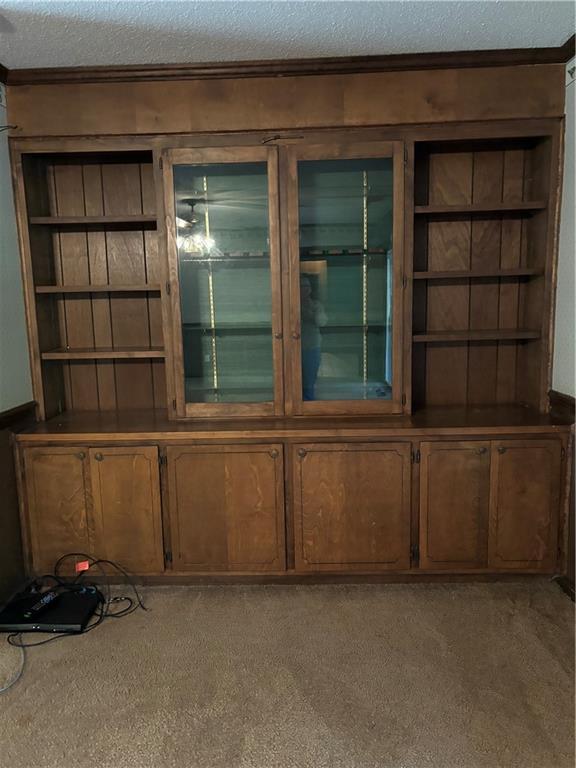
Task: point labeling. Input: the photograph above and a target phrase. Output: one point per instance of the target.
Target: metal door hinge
(414, 552)
(174, 404)
(168, 288)
(416, 457)
(405, 155)
(403, 398)
(161, 163)
(162, 460)
(404, 281)
(167, 557)
(563, 453)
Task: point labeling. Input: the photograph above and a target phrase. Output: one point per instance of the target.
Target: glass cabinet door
(222, 222)
(346, 259)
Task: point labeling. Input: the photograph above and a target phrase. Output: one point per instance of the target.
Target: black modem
(65, 611)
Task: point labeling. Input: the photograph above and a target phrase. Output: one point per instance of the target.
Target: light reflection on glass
(345, 215)
(225, 291)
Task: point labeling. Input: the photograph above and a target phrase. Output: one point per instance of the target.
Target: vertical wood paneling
(510, 256)
(450, 183)
(95, 257)
(484, 295)
(99, 275)
(478, 373)
(75, 270)
(122, 194)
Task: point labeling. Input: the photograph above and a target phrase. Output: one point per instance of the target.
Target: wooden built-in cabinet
(454, 500)
(352, 506)
(57, 501)
(490, 504)
(525, 494)
(126, 506)
(226, 507)
(482, 505)
(323, 350)
(104, 502)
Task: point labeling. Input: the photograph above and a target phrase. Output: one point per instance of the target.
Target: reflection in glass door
(223, 243)
(346, 278)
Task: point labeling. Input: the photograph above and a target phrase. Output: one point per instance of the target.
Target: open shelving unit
(94, 280)
(481, 222)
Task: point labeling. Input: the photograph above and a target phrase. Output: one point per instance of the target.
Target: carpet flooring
(370, 676)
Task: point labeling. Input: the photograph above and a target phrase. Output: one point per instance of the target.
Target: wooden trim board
(301, 67)
(290, 102)
(562, 405)
(18, 417)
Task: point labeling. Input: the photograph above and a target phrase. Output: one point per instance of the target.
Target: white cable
(19, 673)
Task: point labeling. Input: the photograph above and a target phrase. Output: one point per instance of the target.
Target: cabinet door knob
(274, 453)
(81, 455)
(301, 452)
(99, 457)
(482, 451)
(278, 335)
(501, 450)
(295, 335)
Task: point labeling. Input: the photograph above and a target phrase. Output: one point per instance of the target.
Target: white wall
(564, 343)
(15, 386)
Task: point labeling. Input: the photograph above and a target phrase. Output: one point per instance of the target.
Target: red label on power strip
(83, 565)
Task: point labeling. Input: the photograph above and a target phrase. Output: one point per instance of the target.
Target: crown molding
(291, 67)
(569, 48)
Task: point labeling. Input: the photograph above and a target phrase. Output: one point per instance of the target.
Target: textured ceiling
(59, 34)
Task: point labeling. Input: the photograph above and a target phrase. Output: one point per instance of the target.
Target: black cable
(99, 562)
(103, 610)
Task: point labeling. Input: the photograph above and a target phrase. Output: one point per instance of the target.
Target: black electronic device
(63, 611)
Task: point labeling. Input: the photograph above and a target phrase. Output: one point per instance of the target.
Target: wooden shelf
(135, 288)
(512, 334)
(352, 251)
(126, 353)
(102, 222)
(476, 208)
(113, 425)
(471, 274)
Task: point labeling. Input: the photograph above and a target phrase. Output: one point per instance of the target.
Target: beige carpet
(386, 676)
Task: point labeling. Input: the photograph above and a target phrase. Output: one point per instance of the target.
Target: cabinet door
(227, 507)
(57, 503)
(352, 506)
(346, 262)
(127, 517)
(524, 504)
(222, 225)
(454, 499)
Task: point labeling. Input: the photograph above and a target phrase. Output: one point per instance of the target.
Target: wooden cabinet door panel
(524, 504)
(352, 506)
(126, 488)
(454, 502)
(57, 502)
(227, 507)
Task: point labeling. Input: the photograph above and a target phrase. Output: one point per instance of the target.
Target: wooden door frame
(227, 154)
(342, 151)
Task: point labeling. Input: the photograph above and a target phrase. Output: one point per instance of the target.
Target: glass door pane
(224, 270)
(346, 278)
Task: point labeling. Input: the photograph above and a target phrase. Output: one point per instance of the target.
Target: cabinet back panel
(461, 174)
(98, 185)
